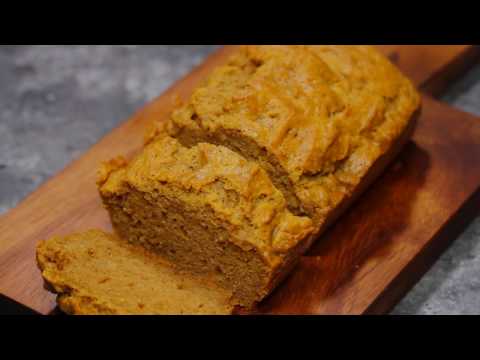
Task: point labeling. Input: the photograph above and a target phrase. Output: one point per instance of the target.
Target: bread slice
(208, 211)
(319, 119)
(96, 273)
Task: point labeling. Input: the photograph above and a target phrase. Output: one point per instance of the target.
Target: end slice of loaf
(208, 211)
(316, 118)
(96, 273)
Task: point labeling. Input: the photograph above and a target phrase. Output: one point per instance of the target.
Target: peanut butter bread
(208, 211)
(96, 273)
(316, 118)
(237, 183)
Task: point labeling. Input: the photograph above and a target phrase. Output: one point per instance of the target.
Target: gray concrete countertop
(57, 101)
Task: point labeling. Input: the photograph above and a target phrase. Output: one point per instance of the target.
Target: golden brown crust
(317, 123)
(108, 167)
(239, 191)
(225, 207)
(318, 116)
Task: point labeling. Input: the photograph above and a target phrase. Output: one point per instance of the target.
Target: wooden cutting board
(363, 264)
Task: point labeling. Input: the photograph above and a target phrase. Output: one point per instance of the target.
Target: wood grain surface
(432, 68)
(363, 264)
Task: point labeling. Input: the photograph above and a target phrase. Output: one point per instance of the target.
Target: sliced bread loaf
(208, 211)
(316, 118)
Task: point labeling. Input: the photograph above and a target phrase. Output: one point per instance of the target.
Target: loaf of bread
(97, 273)
(316, 118)
(238, 182)
(208, 211)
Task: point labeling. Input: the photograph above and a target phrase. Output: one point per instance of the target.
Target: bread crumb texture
(208, 209)
(97, 273)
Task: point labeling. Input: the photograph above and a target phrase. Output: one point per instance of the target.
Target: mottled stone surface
(57, 101)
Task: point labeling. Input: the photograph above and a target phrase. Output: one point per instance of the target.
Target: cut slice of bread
(97, 273)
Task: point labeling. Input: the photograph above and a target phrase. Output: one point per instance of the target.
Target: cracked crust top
(310, 106)
(239, 191)
(317, 117)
